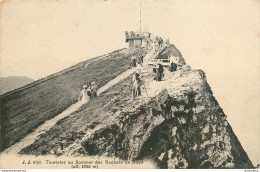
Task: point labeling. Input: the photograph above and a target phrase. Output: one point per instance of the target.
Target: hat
(93, 82)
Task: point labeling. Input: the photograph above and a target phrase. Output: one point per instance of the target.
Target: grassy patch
(24, 110)
(95, 112)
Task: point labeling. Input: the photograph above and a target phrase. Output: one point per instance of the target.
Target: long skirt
(136, 91)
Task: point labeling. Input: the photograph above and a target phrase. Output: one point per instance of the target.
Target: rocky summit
(177, 123)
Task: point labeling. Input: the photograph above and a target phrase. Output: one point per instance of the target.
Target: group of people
(159, 41)
(158, 44)
(133, 61)
(89, 92)
(137, 60)
(158, 70)
(173, 63)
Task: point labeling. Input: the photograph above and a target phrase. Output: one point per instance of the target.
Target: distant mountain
(13, 82)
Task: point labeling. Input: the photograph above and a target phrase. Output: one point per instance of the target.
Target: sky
(221, 37)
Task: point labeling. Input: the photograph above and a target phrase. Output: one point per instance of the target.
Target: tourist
(136, 90)
(159, 72)
(83, 97)
(133, 61)
(93, 88)
(173, 67)
(142, 59)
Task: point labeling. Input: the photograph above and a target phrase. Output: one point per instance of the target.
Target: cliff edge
(176, 123)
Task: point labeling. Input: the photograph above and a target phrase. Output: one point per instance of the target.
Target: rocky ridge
(177, 123)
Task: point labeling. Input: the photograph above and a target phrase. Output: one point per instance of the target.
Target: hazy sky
(221, 37)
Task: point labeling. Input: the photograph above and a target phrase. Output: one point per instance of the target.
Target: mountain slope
(13, 82)
(25, 109)
(176, 123)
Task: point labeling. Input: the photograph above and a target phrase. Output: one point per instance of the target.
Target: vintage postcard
(129, 84)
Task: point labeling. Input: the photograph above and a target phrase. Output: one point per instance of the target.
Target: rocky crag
(181, 126)
(176, 123)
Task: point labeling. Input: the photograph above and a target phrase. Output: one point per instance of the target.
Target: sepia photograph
(130, 84)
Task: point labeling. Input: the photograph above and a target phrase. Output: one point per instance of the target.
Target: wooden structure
(137, 39)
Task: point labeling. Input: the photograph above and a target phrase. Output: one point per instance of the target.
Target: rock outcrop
(177, 123)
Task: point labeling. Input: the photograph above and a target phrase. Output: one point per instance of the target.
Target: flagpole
(140, 17)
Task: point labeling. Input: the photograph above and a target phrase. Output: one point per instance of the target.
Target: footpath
(47, 125)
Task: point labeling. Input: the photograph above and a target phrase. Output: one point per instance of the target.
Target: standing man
(160, 72)
(93, 88)
(173, 67)
(142, 59)
(133, 61)
(136, 90)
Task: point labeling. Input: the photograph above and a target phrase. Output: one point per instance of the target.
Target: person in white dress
(83, 97)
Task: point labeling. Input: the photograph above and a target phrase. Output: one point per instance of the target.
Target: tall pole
(140, 17)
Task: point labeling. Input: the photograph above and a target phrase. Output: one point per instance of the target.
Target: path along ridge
(47, 125)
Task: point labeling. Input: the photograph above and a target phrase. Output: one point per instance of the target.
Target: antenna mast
(140, 17)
